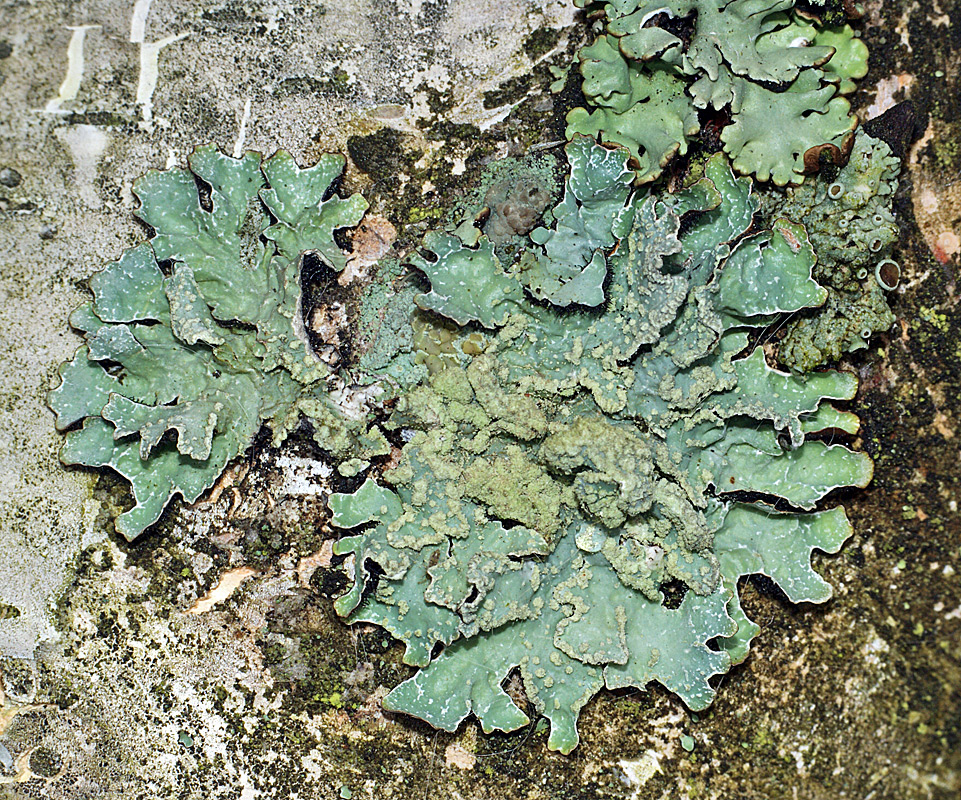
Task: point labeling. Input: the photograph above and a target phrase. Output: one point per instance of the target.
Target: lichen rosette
(778, 75)
(555, 480)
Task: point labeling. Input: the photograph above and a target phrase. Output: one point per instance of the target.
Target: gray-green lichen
(199, 331)
(780, 77)
(641, 107)
(563, 468)
(590, 219)
(851, 224)
(585, 425)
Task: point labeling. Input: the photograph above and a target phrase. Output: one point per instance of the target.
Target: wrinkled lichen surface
(552, 484)
(216, 347)
(266, 692)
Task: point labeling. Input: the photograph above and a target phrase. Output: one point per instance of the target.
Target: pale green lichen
(849, 219)
(642, 109)
(585, 423)
(845, 324)
(727, 36)
(199, 332)
(591, 218)
(771, 131)
(779, 77)
(551, 484)
(851, 224)
(386, 341)
(467, 285)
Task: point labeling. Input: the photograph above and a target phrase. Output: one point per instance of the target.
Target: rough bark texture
(116, 683)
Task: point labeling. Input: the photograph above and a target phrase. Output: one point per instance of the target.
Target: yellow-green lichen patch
(850, 222)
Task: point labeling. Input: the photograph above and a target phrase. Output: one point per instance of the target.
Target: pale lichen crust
(198, 333)
(561, 468)
(781, 78)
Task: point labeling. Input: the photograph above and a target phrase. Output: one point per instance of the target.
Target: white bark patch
(71, 82)
(150, 73)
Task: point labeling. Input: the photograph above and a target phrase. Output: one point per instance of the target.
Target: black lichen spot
(45, 762)
(262, 543)
(103, 119)
(374, 642)
(381, 155)
(8, 611)
(330, 581)
(336, 83)
(541, 41)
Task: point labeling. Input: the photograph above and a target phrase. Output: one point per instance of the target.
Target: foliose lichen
(591, 218)
(592, 445)
(199, 332)
(553, 483)
(851, 224)
(780, 78)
